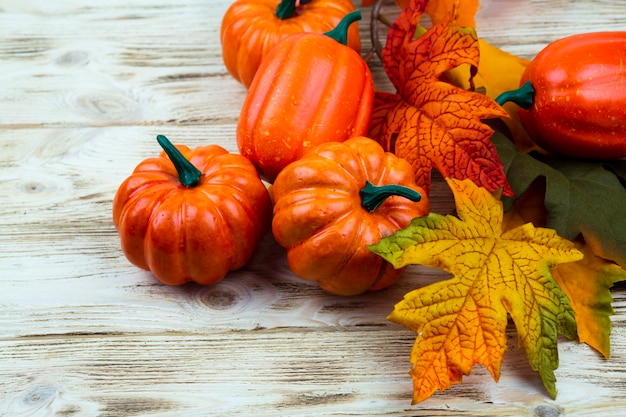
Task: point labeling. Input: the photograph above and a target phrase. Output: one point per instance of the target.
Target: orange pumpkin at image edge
(573, 96)
(251, 28)
(310, 89)
(191, 215)
(335, 201)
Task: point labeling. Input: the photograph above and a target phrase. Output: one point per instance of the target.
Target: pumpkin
(335, 201)
(310, 89)
(572, 96)
(191, 215)
(251, 28)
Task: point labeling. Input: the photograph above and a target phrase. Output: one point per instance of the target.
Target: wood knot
(545, 410)
(108, 106)
(40, 396)
(222, 298)
(34, 187)
(73, 59)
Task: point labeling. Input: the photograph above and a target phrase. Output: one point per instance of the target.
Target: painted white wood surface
(84, 89)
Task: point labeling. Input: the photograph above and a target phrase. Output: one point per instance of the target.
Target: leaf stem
(188, 174)
(373, 196)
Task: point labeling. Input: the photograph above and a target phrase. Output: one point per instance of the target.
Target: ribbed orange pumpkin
(310, 89)
(191, 215)
(334, 202)
(251, 28)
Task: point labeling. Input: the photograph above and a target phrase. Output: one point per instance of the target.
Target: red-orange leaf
(430, 122)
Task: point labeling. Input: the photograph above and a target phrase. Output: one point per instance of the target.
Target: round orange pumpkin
(334, 202)
(191, 215)
(251, 28)
(310, 89)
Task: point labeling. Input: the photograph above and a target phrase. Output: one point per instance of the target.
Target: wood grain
(84, 90)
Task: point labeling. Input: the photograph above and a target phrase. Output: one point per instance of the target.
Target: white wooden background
(84, 89)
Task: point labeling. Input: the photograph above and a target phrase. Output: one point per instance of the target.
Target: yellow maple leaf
(462, 321)
(586, 282)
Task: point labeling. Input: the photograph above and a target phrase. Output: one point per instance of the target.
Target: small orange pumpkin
(251, 28)
(310, 89)
(191, 215)
(334, 202)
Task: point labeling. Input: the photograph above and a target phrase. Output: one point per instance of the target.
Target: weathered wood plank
(115, 64)
(271, 372)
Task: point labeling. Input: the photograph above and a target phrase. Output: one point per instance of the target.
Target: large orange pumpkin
(250, 28)
(191, 215)
(334, 202)
(310, 89)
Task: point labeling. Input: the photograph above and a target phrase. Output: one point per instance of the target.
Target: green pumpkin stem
(286, 9)
(188, 174)
(340, 32)
(523, 96)
(373, 196)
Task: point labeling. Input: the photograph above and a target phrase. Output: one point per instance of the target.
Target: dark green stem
(286, 9)
(373, 196)
(188, 175)
(523, 96)
(340, 32)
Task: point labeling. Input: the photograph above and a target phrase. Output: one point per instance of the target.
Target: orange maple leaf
(587, 283)
(462, 321)
(439, 9)
(430, 122)
(498, 70)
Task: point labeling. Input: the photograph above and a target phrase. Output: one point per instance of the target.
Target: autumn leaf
(430, 122)
(462, 321)
(498, 70)
(437, 10)
(581, 197)
(586, 282)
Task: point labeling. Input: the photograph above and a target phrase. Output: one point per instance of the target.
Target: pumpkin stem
(188, 174)
(373, 196)
(286, 9)
(523, 96)
(340, 32)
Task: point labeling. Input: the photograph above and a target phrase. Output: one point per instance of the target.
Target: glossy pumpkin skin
(320, 220)
(580, 96)
(251, 28)
(198, 233)
(310, 89)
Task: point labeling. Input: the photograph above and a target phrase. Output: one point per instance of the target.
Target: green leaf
(582, 197)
